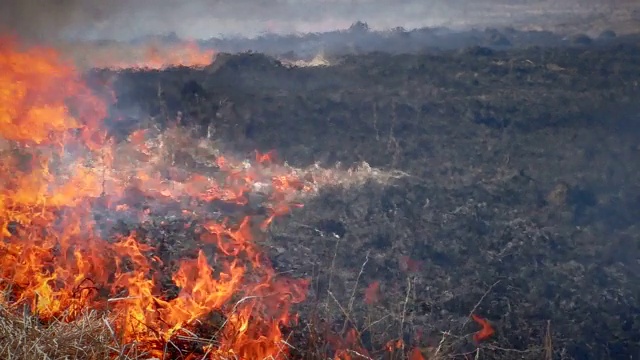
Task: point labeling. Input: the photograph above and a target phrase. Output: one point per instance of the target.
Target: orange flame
(52, 257)
(57, 169)
(487, 330)
(36, 87)
(150, 55)
(416, 354)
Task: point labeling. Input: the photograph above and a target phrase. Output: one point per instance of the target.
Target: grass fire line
(56, 266)
(86, 295)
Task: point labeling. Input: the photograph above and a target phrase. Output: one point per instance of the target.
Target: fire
(487, 330)
(62, 181)
(56, 166)
(150, 55)
(36, 85)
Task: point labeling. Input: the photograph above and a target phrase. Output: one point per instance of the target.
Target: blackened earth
(521, 201)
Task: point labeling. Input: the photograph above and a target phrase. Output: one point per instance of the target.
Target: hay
(24, 337)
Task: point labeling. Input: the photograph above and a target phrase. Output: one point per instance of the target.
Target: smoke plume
(49, 20)
(123, 20)
(202, 19)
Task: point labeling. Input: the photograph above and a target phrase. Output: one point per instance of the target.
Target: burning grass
(92, 335)
(76, 286)
(433, 242)
(150, 55)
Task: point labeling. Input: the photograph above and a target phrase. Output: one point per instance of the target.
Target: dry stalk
(355, 287)
(331, 269)
(475, 307)
(23, 337)
(404, 308)
(548, 343)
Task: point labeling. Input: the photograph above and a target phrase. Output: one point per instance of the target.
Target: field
(493, 182)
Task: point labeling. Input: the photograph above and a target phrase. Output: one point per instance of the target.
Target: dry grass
(24, 337)
(91, 337)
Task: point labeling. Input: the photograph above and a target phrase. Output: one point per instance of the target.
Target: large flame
(60, 173)
(55, 166)
(36, 87)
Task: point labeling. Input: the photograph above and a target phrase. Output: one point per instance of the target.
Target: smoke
(49, 20)
(123, 20)
(201, 19)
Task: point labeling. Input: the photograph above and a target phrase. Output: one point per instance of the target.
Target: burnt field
(515, 193)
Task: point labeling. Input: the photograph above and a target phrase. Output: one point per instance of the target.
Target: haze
(201, 19)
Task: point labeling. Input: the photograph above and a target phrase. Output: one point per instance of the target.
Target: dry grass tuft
(26, 338)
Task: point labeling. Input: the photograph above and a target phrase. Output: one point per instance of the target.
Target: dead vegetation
(26, 338)
(481, 183)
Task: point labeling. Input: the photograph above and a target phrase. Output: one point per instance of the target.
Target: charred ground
(519, 204)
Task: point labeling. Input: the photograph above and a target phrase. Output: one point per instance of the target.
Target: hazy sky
(125, 19)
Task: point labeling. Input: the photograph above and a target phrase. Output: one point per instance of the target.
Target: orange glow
(487, 330)
(36, 87)
(150, 55)
(372, 293)
(415, 354)
(347, 346)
